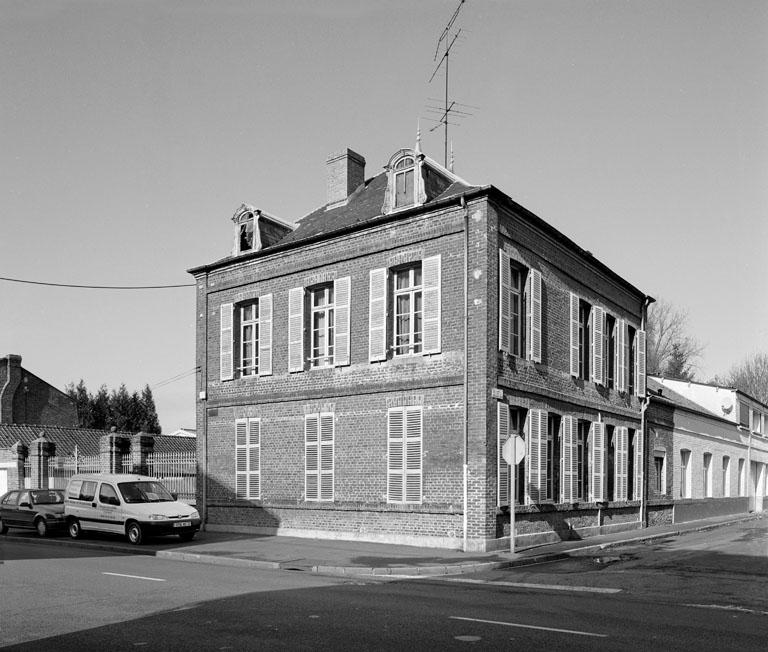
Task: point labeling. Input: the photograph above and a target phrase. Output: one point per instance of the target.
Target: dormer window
(404, 174)
(245, 239)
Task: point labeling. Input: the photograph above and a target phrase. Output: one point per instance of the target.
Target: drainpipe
(465, 424)
(643, 434)
(203, 396)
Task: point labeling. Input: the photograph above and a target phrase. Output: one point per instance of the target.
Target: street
(700, 591)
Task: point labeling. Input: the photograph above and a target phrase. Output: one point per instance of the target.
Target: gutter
(203, 396)
(465, 424)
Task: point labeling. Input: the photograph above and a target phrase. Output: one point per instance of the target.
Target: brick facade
(457, 395)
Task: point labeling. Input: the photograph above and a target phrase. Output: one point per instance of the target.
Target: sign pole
(512, 501)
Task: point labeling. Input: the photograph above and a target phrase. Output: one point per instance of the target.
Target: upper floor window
(411, 295)
(404, 176)
(318, 325)
(245, 338)
(744, 414)
(584, 325)
(520, 309)
(245, 232)
(611, 350)
(322, 320)
(408, 310)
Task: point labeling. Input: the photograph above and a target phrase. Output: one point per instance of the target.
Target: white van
(132, 505)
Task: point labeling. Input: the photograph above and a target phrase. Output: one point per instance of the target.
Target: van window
(144, 491)
(108, 495)
(81, 490)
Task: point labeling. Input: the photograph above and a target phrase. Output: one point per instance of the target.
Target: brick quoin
(362, 392)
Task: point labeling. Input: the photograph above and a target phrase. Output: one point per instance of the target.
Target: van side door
(110, 513)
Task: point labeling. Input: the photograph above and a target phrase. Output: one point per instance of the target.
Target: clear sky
(130, 131)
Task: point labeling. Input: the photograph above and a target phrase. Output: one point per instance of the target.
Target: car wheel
(3, 527)
(42, 527)
(75, 531)
(134, 533)
(187, 536)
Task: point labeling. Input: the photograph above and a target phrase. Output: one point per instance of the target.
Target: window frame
(414, 292)
(321, 358)
(405, 169)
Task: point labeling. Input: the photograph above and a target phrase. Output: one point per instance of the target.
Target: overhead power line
(98, 287)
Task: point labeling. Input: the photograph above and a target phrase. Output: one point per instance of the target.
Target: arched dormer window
(404, 178)
(245, 233)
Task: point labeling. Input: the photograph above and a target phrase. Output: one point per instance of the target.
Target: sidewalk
(352, 558)
(355, 558)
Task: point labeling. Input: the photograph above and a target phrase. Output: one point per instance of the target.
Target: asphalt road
(676, 594)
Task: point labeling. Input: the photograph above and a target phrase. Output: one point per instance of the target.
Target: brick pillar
(40, 450)
(142, 445)
(112, 448)
(19, 453)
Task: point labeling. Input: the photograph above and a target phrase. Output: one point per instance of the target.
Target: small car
(33, 509)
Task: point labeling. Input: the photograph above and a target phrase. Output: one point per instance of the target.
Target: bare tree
(670, 347)
(751, 376)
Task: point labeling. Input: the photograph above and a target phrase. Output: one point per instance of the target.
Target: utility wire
(99, 287)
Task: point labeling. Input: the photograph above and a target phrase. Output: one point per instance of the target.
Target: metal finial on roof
(418, 137)
(452, 158)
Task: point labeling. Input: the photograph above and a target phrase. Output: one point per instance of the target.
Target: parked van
(136, 506)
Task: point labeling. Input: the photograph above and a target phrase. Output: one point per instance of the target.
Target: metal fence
(178, 471)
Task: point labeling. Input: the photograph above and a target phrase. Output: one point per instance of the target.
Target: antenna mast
(444, 38)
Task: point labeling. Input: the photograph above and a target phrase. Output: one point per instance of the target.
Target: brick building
(707, 451)
(25, 398)
(361, 371)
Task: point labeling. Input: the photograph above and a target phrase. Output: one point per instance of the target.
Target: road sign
(513, 449)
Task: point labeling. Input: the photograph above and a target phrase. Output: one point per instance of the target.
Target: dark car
(33, 509)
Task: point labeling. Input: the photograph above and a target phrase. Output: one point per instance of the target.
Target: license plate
(182, 524)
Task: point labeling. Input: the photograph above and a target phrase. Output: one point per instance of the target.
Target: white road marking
(545, 629)
(728, 607)
(547, 587)
(136, 577)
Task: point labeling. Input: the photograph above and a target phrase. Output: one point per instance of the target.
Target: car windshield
(144, 491)
(47, 497)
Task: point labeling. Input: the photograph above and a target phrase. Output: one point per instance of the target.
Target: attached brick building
(361, 371)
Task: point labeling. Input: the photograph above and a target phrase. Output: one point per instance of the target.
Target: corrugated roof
(86, 439)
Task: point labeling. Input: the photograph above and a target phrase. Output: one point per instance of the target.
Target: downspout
(203, 396)
(643, 434)
(465, 424)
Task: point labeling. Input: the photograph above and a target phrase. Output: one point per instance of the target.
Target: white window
(726, 476)
(569, 460)
(685, 474)
(321, 315)
(536, 464)
(520, 309)
(660, 472)
(245, 338)
(248, 458)
(321, 321)
(404, 178)
(404, 446)
(742, 478)
(318, 456)
(621, 463)
(707, 475)
(408, 326)
(638, 460)
(414, 327)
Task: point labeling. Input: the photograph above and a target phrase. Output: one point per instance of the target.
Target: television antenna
(446, 42)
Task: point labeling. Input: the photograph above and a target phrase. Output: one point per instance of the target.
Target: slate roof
(86, 439)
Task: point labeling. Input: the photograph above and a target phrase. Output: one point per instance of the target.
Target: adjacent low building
(362, 369)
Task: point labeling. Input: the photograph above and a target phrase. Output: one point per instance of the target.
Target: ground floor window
(404, 455)
(726, 476)
(660, 473)
(318, 456)
(707, 475)
(685, 474)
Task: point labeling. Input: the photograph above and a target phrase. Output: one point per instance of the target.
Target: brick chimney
(345, 172)
(10, 379)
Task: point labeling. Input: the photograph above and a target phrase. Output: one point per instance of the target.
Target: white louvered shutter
(534, 315)
(639, 464)
(395, 459)
(621, 462)
(503, 469)
(640, 363)
(568, 458)
(621, 364)
(241, 458)
(311, 457)
(430, 292)
(296, 329)
(254, 458)
(626, 353)
(597, 461)
(413, 424)
(377, 315)
(597, 345)
(326, 468)
(265, 335)
(505, 303)
(537, 455)
(226, 342)
(342, 288)
(574, 335)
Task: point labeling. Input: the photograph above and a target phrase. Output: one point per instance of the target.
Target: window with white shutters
(621, 355)
(248, 458)
(537, 455)
(597, 462)
(503, 469)
(621, 461)
(514, 312)
(638, 465)
(246, 338)
(569, 467)
(318, 456)
(404, 455)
